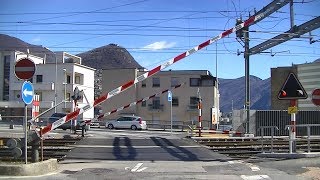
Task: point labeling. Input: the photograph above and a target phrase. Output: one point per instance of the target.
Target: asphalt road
(125, 154)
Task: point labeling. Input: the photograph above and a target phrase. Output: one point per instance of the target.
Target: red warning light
(283, 93)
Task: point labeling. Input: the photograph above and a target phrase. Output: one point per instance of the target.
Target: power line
(88, 12)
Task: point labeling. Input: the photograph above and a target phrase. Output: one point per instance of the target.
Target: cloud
(37, 39)
(159, 45)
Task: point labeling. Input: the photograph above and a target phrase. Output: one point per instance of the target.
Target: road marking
(142, 169)
(253, 167)
(136, 167)
(255, 177)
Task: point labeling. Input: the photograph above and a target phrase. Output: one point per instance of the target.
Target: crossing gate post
(292, 133)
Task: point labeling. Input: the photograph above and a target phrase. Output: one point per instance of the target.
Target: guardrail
(262, 128)
(308, 126)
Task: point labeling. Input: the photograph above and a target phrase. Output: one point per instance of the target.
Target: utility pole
(243, 34)
(247, 75)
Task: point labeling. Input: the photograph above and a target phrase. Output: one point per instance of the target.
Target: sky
(154, 31)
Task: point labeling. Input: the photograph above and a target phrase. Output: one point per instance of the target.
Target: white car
(127, 122)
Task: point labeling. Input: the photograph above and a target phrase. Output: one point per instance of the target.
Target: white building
(53, 81)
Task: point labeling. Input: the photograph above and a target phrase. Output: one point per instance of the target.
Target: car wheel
(110, 126)
(133, 127)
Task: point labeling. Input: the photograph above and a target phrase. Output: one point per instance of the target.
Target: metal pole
(55, 84)
(291, 14)
(247, 77)
(171, 114)
(217, 91)
(25, 133)
(293, 128)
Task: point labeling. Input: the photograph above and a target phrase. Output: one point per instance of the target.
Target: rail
(288, 127)
(262, 128)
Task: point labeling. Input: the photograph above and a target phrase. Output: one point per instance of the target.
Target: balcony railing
(48, 86)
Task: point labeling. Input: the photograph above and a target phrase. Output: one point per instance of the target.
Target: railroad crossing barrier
(292, 140)
(262, 128)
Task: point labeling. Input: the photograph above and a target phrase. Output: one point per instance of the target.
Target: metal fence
(281, 119)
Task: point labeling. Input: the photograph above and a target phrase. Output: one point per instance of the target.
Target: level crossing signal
(292, 89)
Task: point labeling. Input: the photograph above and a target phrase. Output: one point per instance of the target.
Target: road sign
(316, 97)
(169, 96)
(24, 68)
(292, 89)
(27, 92)
(292, 110)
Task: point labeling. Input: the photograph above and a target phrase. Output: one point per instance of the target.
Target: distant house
(54, 80)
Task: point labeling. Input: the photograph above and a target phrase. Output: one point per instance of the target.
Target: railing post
(308, 131)
(262, 134)
(272, 133)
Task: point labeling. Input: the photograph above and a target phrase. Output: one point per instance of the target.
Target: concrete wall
(239, 119)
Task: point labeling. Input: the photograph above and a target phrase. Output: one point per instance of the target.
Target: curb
(32, 169)
(289, 156)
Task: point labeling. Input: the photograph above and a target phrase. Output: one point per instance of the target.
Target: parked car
(56, 116)
(127, 122)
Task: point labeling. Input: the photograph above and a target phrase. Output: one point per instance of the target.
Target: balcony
(49, 86)
(155, 107)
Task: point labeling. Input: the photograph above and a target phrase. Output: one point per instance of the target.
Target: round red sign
(316, 97)
(24, 68)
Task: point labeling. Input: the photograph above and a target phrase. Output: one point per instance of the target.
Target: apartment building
(158, 109)
(54, 81)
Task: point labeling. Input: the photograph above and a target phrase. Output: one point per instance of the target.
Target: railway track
(52, 148)
(241, 147)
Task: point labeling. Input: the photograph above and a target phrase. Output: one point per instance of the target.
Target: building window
(155, 82)
(6, 78)
(174, 81)
(175, 101)
(39, 79)
(194, 82)
(143, 84)
(193, 100)
(143, 104)
(77, 80)
(68, 79)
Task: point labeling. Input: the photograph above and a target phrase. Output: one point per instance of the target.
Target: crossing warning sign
(292, 89)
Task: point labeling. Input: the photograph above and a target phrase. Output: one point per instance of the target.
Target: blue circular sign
(27, 92)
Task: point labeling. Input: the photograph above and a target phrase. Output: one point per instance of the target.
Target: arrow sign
(292, 89)
(27, 92)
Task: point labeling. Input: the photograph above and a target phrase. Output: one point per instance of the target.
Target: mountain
(233, 91)
(11, 43)
(109, 57)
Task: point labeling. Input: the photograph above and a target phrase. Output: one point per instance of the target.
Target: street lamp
(65, 87)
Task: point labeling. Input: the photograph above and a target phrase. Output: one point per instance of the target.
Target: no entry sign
(316, 97)
(24, 68)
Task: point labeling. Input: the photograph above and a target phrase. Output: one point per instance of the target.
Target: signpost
(24, 69)
(316, 97)
(292, 90)
(170, 100)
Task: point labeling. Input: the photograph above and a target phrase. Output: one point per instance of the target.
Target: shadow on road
(121, 153)
(179, 152)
